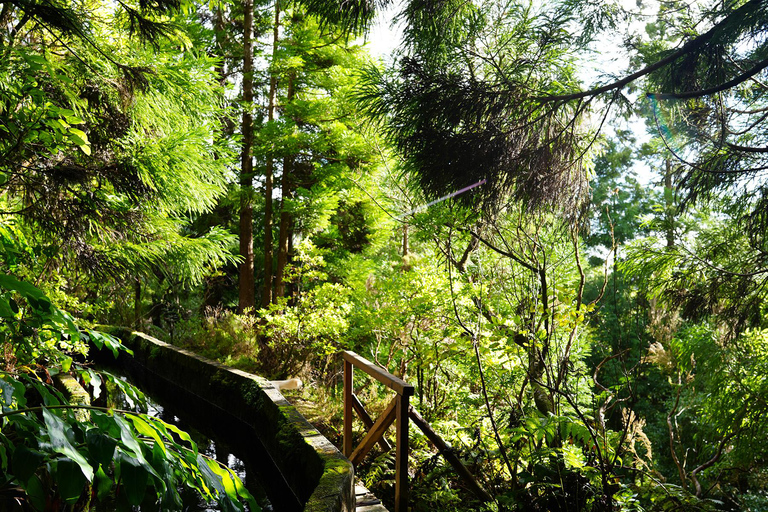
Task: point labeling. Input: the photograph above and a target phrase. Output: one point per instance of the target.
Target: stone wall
(311, 474)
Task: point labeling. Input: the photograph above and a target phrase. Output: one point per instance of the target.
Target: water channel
(250, 463)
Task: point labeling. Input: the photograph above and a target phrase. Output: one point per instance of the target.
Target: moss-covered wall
(314, 471)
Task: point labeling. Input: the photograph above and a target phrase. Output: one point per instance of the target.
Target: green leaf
(56, 430)
(24, 288)
(145, 429)
(26, 462)
(100, 339)
(226, 479)
(35, 493)
(184, 436)
(106, 423)
(7, 391)
(69, 480)
(73, 119)
(573, 457)
(102, 484)
(134, 477)
(100, 446)
(94, 379)
(78, 136)
(130, 441)
(246, 495)
(81, 139)
(5, 308)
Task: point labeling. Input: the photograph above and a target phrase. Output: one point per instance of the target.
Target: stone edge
(298, 449)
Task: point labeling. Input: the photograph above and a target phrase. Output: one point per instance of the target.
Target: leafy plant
(55, 453)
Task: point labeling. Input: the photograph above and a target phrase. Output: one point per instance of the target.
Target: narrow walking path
(366, 501)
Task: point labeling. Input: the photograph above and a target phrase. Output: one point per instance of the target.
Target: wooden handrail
(398, 411)
(394, 383)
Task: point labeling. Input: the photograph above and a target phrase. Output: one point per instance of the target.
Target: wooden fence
(398, 411)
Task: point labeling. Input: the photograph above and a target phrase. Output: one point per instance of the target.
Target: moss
(74, 393)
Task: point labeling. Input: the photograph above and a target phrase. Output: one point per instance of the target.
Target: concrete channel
(304, 470)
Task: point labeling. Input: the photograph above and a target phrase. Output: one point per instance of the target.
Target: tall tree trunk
(286, 229)
(247, 295)
(266, 296)
(286, 219)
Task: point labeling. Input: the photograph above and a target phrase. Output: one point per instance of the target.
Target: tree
(246, 283)
(314, 139)
(105, 162)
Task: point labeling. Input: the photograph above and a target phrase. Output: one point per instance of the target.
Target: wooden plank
(380, 374)
(401, 459)
(449, 455)
(347, 409)
(378, 429)
(366, 419)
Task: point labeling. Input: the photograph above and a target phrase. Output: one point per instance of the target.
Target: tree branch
(689, 47)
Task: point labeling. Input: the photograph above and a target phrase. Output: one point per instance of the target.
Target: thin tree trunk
(286, 219)
(266, 296)
(247, 292)
(669, 212)
(286, 230)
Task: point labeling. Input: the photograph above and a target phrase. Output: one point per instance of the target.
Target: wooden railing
(399, 411)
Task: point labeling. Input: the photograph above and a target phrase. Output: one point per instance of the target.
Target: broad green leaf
(184, 436)
(246, 495)
(24, 288)
(35, 493)
(130, 441)
(78, 136)
(134, 477)
(69, 480)
(26, 462)
(100, 446)
(94, 379)
(102, 484)
(226, 478)
(7, 391)
(106, 423)
(145, 429)
(5, 308)
(73, 119)
(56, 430)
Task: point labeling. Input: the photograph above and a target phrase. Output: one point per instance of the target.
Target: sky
(384, 37)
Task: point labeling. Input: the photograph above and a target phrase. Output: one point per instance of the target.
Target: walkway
(366, 501)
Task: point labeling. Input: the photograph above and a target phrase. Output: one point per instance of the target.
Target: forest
(549, 216)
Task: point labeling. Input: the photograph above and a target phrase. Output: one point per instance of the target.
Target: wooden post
(401, 460)
(347, 408)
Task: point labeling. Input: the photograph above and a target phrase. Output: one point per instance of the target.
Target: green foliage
(311, 328)
(223, 335)
(122, 457)
(102, 162)
(53, 454)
